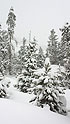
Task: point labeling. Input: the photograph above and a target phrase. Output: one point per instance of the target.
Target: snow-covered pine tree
(47, 90)
(11, 24)
(22, 56)
(3, 61)
(65, 43)
(59, 54)
(52, 49)
(3, 51)
(66, 74)
(14, 63)
(30, 65)
(1, 55)
(40, 58)
(65, 52)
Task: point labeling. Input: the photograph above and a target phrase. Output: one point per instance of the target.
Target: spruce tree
(30, 65)
(3, 51)
(47, 90)
(53, 47)
(11, 24)
(65, 42)
(65, 52)
(22, 55)
(40, 58)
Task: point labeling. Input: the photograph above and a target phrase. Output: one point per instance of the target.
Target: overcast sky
(39, 16)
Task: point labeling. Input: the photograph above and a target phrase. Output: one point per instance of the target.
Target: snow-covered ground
(18, 110)
(20, 113)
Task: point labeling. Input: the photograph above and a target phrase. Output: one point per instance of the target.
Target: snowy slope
(12, 112)
(18, 110)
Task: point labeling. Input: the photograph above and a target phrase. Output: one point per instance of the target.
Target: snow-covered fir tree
(11, 24)
(30, 65)
(65, 53)
(66, 74)
(15, 65)
(65, 43)
(4, 45)
(52, 49)
(40, 58)
(47, 90)
(22, 53)
(1, 52)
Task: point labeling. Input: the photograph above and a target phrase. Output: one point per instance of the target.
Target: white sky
(39, 16)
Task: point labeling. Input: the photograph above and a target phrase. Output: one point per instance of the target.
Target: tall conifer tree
(11, 24)
(53, 47)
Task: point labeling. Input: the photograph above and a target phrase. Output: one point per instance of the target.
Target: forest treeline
(31, 57)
